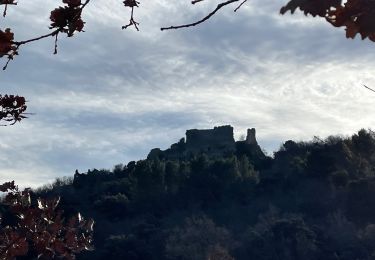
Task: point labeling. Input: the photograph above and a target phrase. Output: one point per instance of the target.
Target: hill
(210, 197)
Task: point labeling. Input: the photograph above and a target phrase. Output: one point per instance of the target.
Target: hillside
(209, 197)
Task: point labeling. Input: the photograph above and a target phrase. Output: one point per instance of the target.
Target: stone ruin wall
(219, 138)
(214, 142)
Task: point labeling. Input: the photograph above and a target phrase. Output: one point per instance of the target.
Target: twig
(219, 6)
(57, 34)
(18, 44)
(238, 7)
(6, 8)
(196, 1)
(369, 88)
(6, 64)
(37, 38)
(83, 6)
(132, 21)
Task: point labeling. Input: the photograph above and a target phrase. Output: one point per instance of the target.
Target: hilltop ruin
(216, 142)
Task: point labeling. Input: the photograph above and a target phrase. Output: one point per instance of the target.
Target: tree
(200, 239)
(358, 16)
(34, 227)
(280, 237)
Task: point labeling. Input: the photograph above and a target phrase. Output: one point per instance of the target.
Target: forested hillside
(311, 200)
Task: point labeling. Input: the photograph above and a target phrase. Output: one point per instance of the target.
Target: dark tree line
(311, 200)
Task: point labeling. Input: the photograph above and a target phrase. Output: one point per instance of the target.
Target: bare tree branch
(219, 6)
(83, 6)
(238, 7)
(37, 38)
(131, 21)
(196, 1)
(369, 88)
(6, 7)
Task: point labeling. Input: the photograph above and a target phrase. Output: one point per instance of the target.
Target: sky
(109, 96)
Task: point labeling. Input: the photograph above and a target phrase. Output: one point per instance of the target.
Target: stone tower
(250, 138)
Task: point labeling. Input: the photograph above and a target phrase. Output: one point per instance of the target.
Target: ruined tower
(250, 138)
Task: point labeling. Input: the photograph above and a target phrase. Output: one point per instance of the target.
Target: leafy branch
(12, 109)
(35, 227)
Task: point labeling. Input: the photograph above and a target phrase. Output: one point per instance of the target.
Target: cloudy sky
(109, 96)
